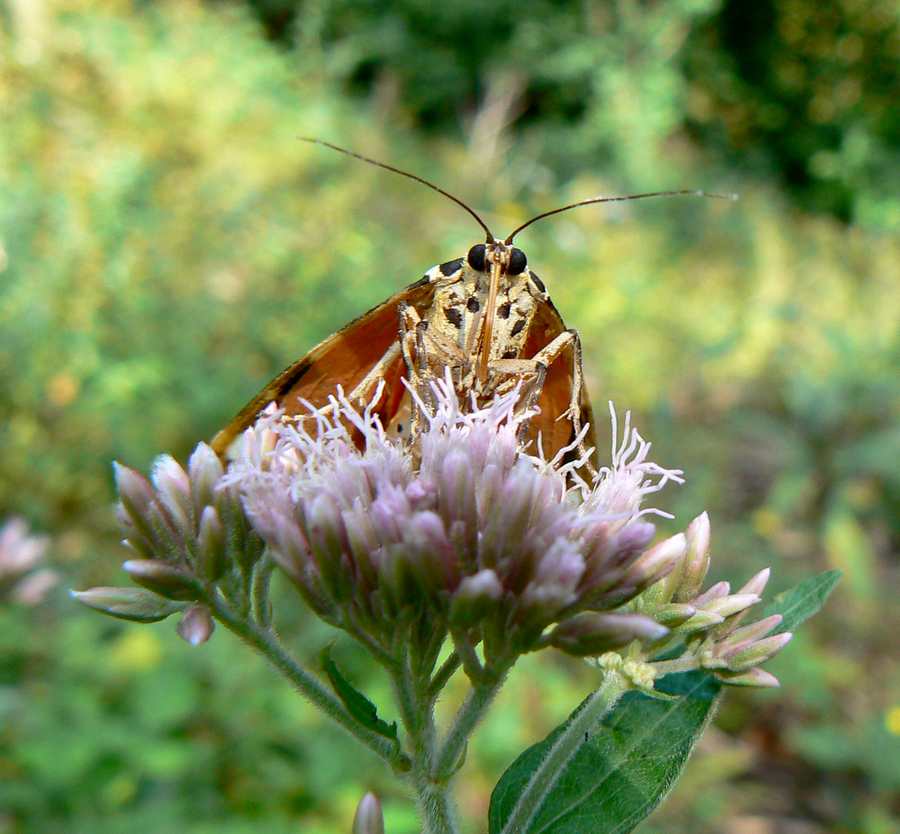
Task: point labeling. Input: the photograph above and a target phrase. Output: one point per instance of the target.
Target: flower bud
(635, 537)
(592, 634)
(204, 471)
(701, 621)
(754, 631)
(133, 604)
(752, 677)
(717, 591)
(475, 598)
(554, 584)
(435, 562)
(757, 584)
(454, 482)
(212, 554)
(136, 497)
(674, 614)
(289, 547)
(696, 560)
(173, 489)
(196, 625)
(369, 818)
(732, 604)
(326, 535)
(162, 578)
(757, 653)
(656, 562)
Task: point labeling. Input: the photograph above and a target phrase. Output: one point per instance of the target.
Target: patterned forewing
(342, 359)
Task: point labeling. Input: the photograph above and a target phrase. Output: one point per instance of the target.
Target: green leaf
(622, 772)
(360, 707)
(619, 775)
(799, 603)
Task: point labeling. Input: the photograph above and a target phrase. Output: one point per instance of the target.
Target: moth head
(512, 261)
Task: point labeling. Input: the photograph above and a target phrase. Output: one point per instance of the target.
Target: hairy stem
(566, 745)
(469, 714)
(681, 664)
(417, 713)
(265, 641)
(439, 681)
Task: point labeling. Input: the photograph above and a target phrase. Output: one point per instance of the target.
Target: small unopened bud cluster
(707, 625)
(472, 535)
(187, 533)
(21, 553)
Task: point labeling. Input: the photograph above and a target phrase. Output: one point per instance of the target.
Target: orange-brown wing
(557, 390)
(342, 359)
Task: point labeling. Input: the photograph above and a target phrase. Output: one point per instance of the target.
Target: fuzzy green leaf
(798, 604)
(359, 706)
(623, 771)
(620, 774)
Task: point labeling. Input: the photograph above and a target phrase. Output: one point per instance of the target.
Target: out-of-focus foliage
(166, 245)
(799, 91)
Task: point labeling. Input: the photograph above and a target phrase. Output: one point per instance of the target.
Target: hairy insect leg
(538, 366)
(532, 373)
(362, 393)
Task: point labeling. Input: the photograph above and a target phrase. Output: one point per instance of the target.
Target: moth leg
(362, 392)
(534, 390)
(546, 356)
(411, 342)
(517, 370)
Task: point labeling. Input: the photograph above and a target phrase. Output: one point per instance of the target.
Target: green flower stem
(265, 641)
(443, 674)
(417, 713)
(564, 748)
(261, 606)
(470, 713)
(686, 663)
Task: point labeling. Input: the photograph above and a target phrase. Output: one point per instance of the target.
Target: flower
(706, 626)
(188, 535)
(467, 532)
(21, 554)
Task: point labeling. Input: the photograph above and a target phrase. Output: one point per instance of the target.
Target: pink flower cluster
(470, 534)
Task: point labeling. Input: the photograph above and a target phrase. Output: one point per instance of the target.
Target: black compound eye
(476, 257)
(517, 262)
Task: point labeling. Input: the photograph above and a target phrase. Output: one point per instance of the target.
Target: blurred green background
(167, 245)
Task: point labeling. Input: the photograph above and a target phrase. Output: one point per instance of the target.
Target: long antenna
(490, 237)
(689, 192)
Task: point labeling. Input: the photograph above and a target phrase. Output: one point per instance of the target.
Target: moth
(486, 317)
